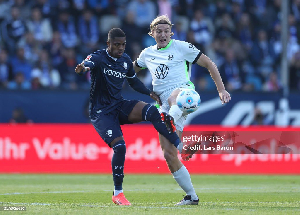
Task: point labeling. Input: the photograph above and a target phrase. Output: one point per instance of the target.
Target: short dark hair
(115, 32)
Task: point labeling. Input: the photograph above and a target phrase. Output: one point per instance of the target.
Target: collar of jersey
(164, 48)
(115, 59)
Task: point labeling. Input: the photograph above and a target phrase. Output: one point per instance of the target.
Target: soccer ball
(188, 101)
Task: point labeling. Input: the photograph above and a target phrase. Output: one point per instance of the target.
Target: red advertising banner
(69, 148)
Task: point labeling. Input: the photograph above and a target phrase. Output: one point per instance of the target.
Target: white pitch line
(96, 206)
(135, 206)
(9, 194)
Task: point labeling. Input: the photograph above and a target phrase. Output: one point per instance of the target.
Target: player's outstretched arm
(214, 72)
(136, 68)
(80, 68)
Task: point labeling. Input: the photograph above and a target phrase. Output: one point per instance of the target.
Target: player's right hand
(81, 68)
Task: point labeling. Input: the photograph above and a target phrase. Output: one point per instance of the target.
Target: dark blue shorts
(108, 125)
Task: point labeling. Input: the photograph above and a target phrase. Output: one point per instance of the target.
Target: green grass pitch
(150, 194)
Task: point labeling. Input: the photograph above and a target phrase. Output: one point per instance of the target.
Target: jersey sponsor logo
(114, 73)
(88, 57)
(161, 71)
(125, 65)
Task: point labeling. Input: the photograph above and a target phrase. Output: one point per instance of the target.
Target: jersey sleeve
(91, 61)
(189, 52)
(131, 72)
(141, 62)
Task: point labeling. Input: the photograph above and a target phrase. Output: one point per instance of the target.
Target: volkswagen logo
(161, 71)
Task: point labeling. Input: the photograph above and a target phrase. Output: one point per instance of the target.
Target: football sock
(117, 164)
(183, 178)
(151, 114)
(117, 192)
(175, 112)
(180, 147)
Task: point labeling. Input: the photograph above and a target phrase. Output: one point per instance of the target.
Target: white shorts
(165, 105)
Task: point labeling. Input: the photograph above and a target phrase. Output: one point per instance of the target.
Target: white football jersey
(169, 66)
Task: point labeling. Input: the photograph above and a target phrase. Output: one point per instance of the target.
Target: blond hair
(163, 19)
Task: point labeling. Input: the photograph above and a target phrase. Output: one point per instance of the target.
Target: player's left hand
(155, 97)
(224, 96)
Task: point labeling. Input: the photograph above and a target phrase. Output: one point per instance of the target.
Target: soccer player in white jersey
(169, 62)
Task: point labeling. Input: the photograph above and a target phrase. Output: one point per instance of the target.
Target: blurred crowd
(42, 41)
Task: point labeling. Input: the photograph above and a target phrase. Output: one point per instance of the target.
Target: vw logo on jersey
(161, 71)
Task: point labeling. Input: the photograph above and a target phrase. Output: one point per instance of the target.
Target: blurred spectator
(24, 7)
(221, 7)
(293, 29)
(293, 45)
(31, 48)
(18, 116)
(295, 9)
(225, 27)
(272, 14)
(184, 8)
(48, 76)
(63, 5)
(245, 31)
(253, 81)
(133, 33)
(89, 32)
(144, 11)
(231, 72)
(19, 82)
(39, 27)
(36, 80)
(66, 69)
(179, 32)
(67, 29)
(203, 29)
(6, 73)
(13, 29)
(295, 72)
(4, 9)
(78, 7)
(20, 64)
(236, 12)
(120, 7)
(45, 8)
(257, 9)
(164, 8)
(262, 54)
(272, 84)
(100, 7)
(55, 49)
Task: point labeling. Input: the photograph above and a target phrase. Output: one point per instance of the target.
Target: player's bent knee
(119, 148)
(150, 113)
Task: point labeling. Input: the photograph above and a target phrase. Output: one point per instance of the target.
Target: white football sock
(117, 192)
(183, 178)
(180, 147)
(175, 112)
